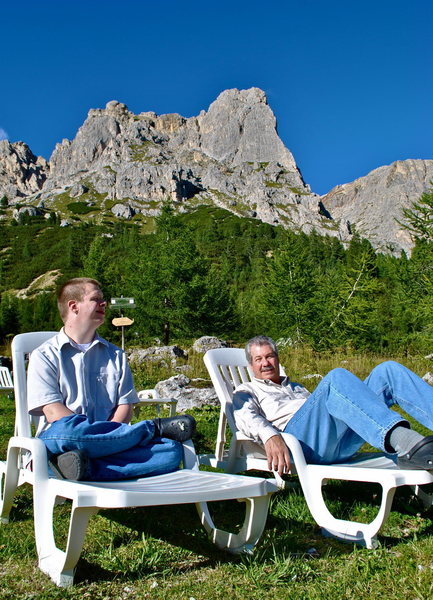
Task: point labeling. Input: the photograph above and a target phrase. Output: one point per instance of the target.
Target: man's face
(265, 363)
(91, 309)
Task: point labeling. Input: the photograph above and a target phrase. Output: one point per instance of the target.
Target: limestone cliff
(231, 156)
(21, 172)
(372, 205)
(122, 166)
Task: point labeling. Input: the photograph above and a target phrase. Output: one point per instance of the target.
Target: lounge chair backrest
(23, 345)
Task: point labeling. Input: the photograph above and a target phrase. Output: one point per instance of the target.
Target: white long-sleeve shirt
(263, 408)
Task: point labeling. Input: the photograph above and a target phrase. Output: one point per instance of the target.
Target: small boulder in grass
(428, 377)
(187, 395)
(207, 342)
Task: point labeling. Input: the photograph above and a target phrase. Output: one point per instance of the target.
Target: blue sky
(350, 83)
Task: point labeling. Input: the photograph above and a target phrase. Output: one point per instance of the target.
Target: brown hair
(73, 290)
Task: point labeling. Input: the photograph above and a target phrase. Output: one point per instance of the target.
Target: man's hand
(277, 454)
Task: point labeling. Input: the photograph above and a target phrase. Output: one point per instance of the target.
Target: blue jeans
(343, 412)
(116, 450)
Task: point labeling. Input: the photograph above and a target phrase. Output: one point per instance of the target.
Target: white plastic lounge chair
(6, 382)
(188, 485)
(228, 368)
(151, 396)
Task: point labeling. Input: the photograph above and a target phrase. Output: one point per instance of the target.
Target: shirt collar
(268, 382)
(65, 339)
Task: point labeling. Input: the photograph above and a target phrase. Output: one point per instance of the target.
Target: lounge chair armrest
(190, 459)
(295, 449)
(38, 452)
(34, 445)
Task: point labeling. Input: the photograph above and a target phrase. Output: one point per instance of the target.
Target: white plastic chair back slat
(6, 382)
(22, 346)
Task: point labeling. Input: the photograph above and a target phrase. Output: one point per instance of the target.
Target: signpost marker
(122, 303)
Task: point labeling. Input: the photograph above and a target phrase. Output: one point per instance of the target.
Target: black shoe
(179, 428)
(70, 465)
(419, 457)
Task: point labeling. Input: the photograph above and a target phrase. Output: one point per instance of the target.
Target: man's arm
(43, 387)
(251, 421)
(126, 394)
(55, 411)
(122, 413)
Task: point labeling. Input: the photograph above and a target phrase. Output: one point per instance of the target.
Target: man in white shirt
(342, 413)
(81, 387)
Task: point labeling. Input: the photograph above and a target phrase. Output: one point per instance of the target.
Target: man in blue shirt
(81, 387)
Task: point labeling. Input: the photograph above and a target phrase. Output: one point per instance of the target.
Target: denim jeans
(116, 450)
(343, 412)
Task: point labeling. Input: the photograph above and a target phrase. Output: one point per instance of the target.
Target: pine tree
(171, 281)
(286, 293)
(419, 218)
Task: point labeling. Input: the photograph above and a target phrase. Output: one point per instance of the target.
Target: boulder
(428, 377)
(206, 342)
(32, 211)
(78, 190)
(188, 396)
(163, 355)
(123, 211)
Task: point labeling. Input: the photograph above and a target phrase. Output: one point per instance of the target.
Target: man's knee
(337, 374)
(387, 366)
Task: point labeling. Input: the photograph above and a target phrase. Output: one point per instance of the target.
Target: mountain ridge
(122, 165)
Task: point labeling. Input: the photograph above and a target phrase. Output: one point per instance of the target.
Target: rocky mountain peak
(230, 155)
(123, 165)
(240, 127)
(373, 205)
(21, 172)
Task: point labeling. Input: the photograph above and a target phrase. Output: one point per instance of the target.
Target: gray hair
(259, 340)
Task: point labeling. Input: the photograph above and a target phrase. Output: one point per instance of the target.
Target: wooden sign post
(122, 321)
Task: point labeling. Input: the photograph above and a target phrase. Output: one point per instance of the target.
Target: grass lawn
(163, 553)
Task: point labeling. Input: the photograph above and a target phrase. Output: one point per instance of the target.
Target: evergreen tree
(356, 315)
(171, 281)
(419, 296)
(95, 263)
(419, 218)
(9, 316)
(286, 293)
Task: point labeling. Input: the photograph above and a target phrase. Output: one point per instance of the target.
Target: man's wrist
(268, 433)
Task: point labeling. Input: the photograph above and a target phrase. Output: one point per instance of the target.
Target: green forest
(210, 272)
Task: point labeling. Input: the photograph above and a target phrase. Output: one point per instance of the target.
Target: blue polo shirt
(91, 382)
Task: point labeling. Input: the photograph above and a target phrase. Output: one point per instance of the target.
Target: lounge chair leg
(363, 534)
(9, 474)
(59, 564)
(256, 511)
(426, 499)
